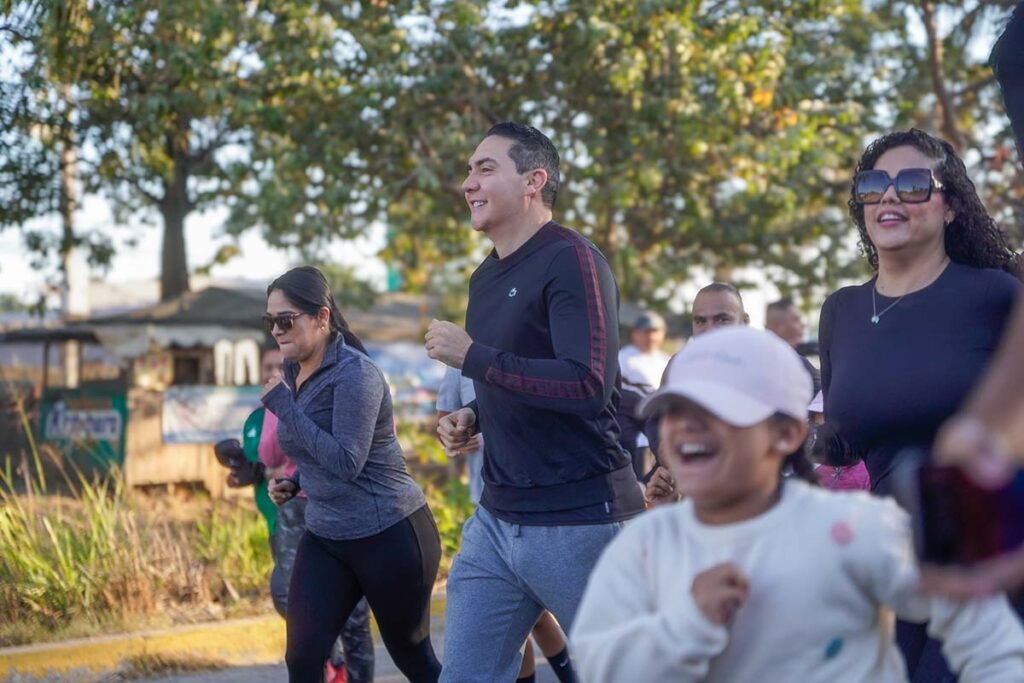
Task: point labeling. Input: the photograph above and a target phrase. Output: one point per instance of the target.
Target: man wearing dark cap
(643, 362)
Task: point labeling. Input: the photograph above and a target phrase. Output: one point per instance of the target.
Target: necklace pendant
(874, 319)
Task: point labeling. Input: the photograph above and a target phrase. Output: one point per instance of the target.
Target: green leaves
(695, 136)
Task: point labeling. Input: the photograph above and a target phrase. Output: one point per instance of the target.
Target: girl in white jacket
(757, 577)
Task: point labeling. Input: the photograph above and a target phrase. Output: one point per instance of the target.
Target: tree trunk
(67, 220)
(71, 352)
(947, 110)
(174, 207)
(173, 264)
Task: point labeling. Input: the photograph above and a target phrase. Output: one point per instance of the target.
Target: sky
(203, 237)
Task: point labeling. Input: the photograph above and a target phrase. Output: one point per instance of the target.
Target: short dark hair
(723, 287)
(783, 304)
(532, 149)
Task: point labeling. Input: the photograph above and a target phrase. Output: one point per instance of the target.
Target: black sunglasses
(283, 321)
(913, 185)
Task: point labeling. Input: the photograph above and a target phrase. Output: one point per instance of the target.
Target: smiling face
(308, 333)
(894, 226)
(728, 472)
(497, 194)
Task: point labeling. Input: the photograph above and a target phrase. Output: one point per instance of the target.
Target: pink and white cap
(740, 374)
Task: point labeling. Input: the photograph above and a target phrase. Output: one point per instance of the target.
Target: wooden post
(72, 361)
(40, 427)
(46, 369)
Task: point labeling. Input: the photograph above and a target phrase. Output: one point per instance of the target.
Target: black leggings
(394, 569)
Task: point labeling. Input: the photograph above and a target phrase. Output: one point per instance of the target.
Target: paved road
(276, 674)
(386, 672)
(76, 661)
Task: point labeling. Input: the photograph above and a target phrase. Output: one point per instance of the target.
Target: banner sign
(207, 414)
(87, 422)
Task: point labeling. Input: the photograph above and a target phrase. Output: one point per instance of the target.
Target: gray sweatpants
(503, 577)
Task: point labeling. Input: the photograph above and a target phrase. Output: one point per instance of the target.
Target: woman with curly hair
(900, 352)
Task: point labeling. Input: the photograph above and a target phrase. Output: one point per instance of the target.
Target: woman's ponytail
(340, 326)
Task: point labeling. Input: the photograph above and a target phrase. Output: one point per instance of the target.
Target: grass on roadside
(98, 559)
(81, 555)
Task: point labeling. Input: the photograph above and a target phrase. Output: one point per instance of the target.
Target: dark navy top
(891, 385)
(544, 363)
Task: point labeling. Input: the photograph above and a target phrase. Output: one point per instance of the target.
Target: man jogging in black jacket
(541, 346)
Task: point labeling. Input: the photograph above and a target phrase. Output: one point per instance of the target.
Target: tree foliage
(693, 134)
(168, 100)
(697, 135)
(946, 85)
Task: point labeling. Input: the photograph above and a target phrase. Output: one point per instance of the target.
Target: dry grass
(96, 559)
(81, 555)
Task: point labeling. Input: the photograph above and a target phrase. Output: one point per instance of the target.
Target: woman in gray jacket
(368, 529)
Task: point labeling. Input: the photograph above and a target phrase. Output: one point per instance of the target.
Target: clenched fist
(447, 342)
(719, 592)
(282, 490)
(269, 386)
(660, 489)
(456, 431)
